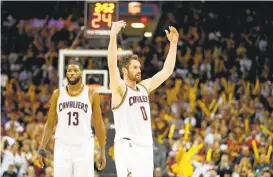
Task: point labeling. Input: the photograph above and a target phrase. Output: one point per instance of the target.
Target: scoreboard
(99, 16)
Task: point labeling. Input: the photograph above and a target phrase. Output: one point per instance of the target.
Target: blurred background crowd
(213, 117)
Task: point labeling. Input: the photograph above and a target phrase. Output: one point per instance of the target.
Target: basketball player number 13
(145, 117)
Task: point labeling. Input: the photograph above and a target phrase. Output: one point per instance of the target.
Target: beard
(136, 77)
(74, 82)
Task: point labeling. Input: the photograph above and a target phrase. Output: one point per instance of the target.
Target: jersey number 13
(75, 117)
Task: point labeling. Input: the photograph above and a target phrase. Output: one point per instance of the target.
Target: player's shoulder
(145, 84)
(114, 86)
(55, 96)
(56, 93)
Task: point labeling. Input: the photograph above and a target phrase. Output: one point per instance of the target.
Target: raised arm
(100, 130)
(49, 126)
(167, 70)
(116, 83)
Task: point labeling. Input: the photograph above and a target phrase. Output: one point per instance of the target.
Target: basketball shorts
(74, 160)
(133, 160)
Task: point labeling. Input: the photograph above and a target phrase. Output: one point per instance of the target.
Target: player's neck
(130, 83)
(75, 87)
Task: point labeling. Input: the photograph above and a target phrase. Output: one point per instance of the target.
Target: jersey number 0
(145, 117)
(75, 116)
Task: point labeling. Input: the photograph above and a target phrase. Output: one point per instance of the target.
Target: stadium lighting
(137, 25)
(148, 34)
(134, 8)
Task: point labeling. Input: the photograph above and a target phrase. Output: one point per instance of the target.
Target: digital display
(100, 15)
(138, 9)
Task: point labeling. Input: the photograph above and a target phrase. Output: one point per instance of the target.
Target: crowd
(213, 117)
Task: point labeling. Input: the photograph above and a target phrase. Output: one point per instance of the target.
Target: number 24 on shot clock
(102, 14)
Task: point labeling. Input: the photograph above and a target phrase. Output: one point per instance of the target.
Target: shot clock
(99, 16)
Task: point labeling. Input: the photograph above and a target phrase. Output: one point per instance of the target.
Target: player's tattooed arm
(49, 126)
(99, 126)
(116, 83)
(167, 70)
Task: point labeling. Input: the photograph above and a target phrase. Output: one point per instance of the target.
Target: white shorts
(133, 160)
(74, 160)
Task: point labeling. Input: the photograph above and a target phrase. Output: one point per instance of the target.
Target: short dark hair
(75, 62)
(126, 59)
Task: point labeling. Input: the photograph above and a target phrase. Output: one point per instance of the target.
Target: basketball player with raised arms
(74, 107)
(133, 147)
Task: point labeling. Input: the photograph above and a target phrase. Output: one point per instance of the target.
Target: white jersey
(74, 117)
(132, 117)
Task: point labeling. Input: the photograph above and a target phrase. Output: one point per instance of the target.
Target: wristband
(42, 152)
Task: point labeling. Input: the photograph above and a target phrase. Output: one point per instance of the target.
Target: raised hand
(116, 26)
(40, 157)
(172, 35)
